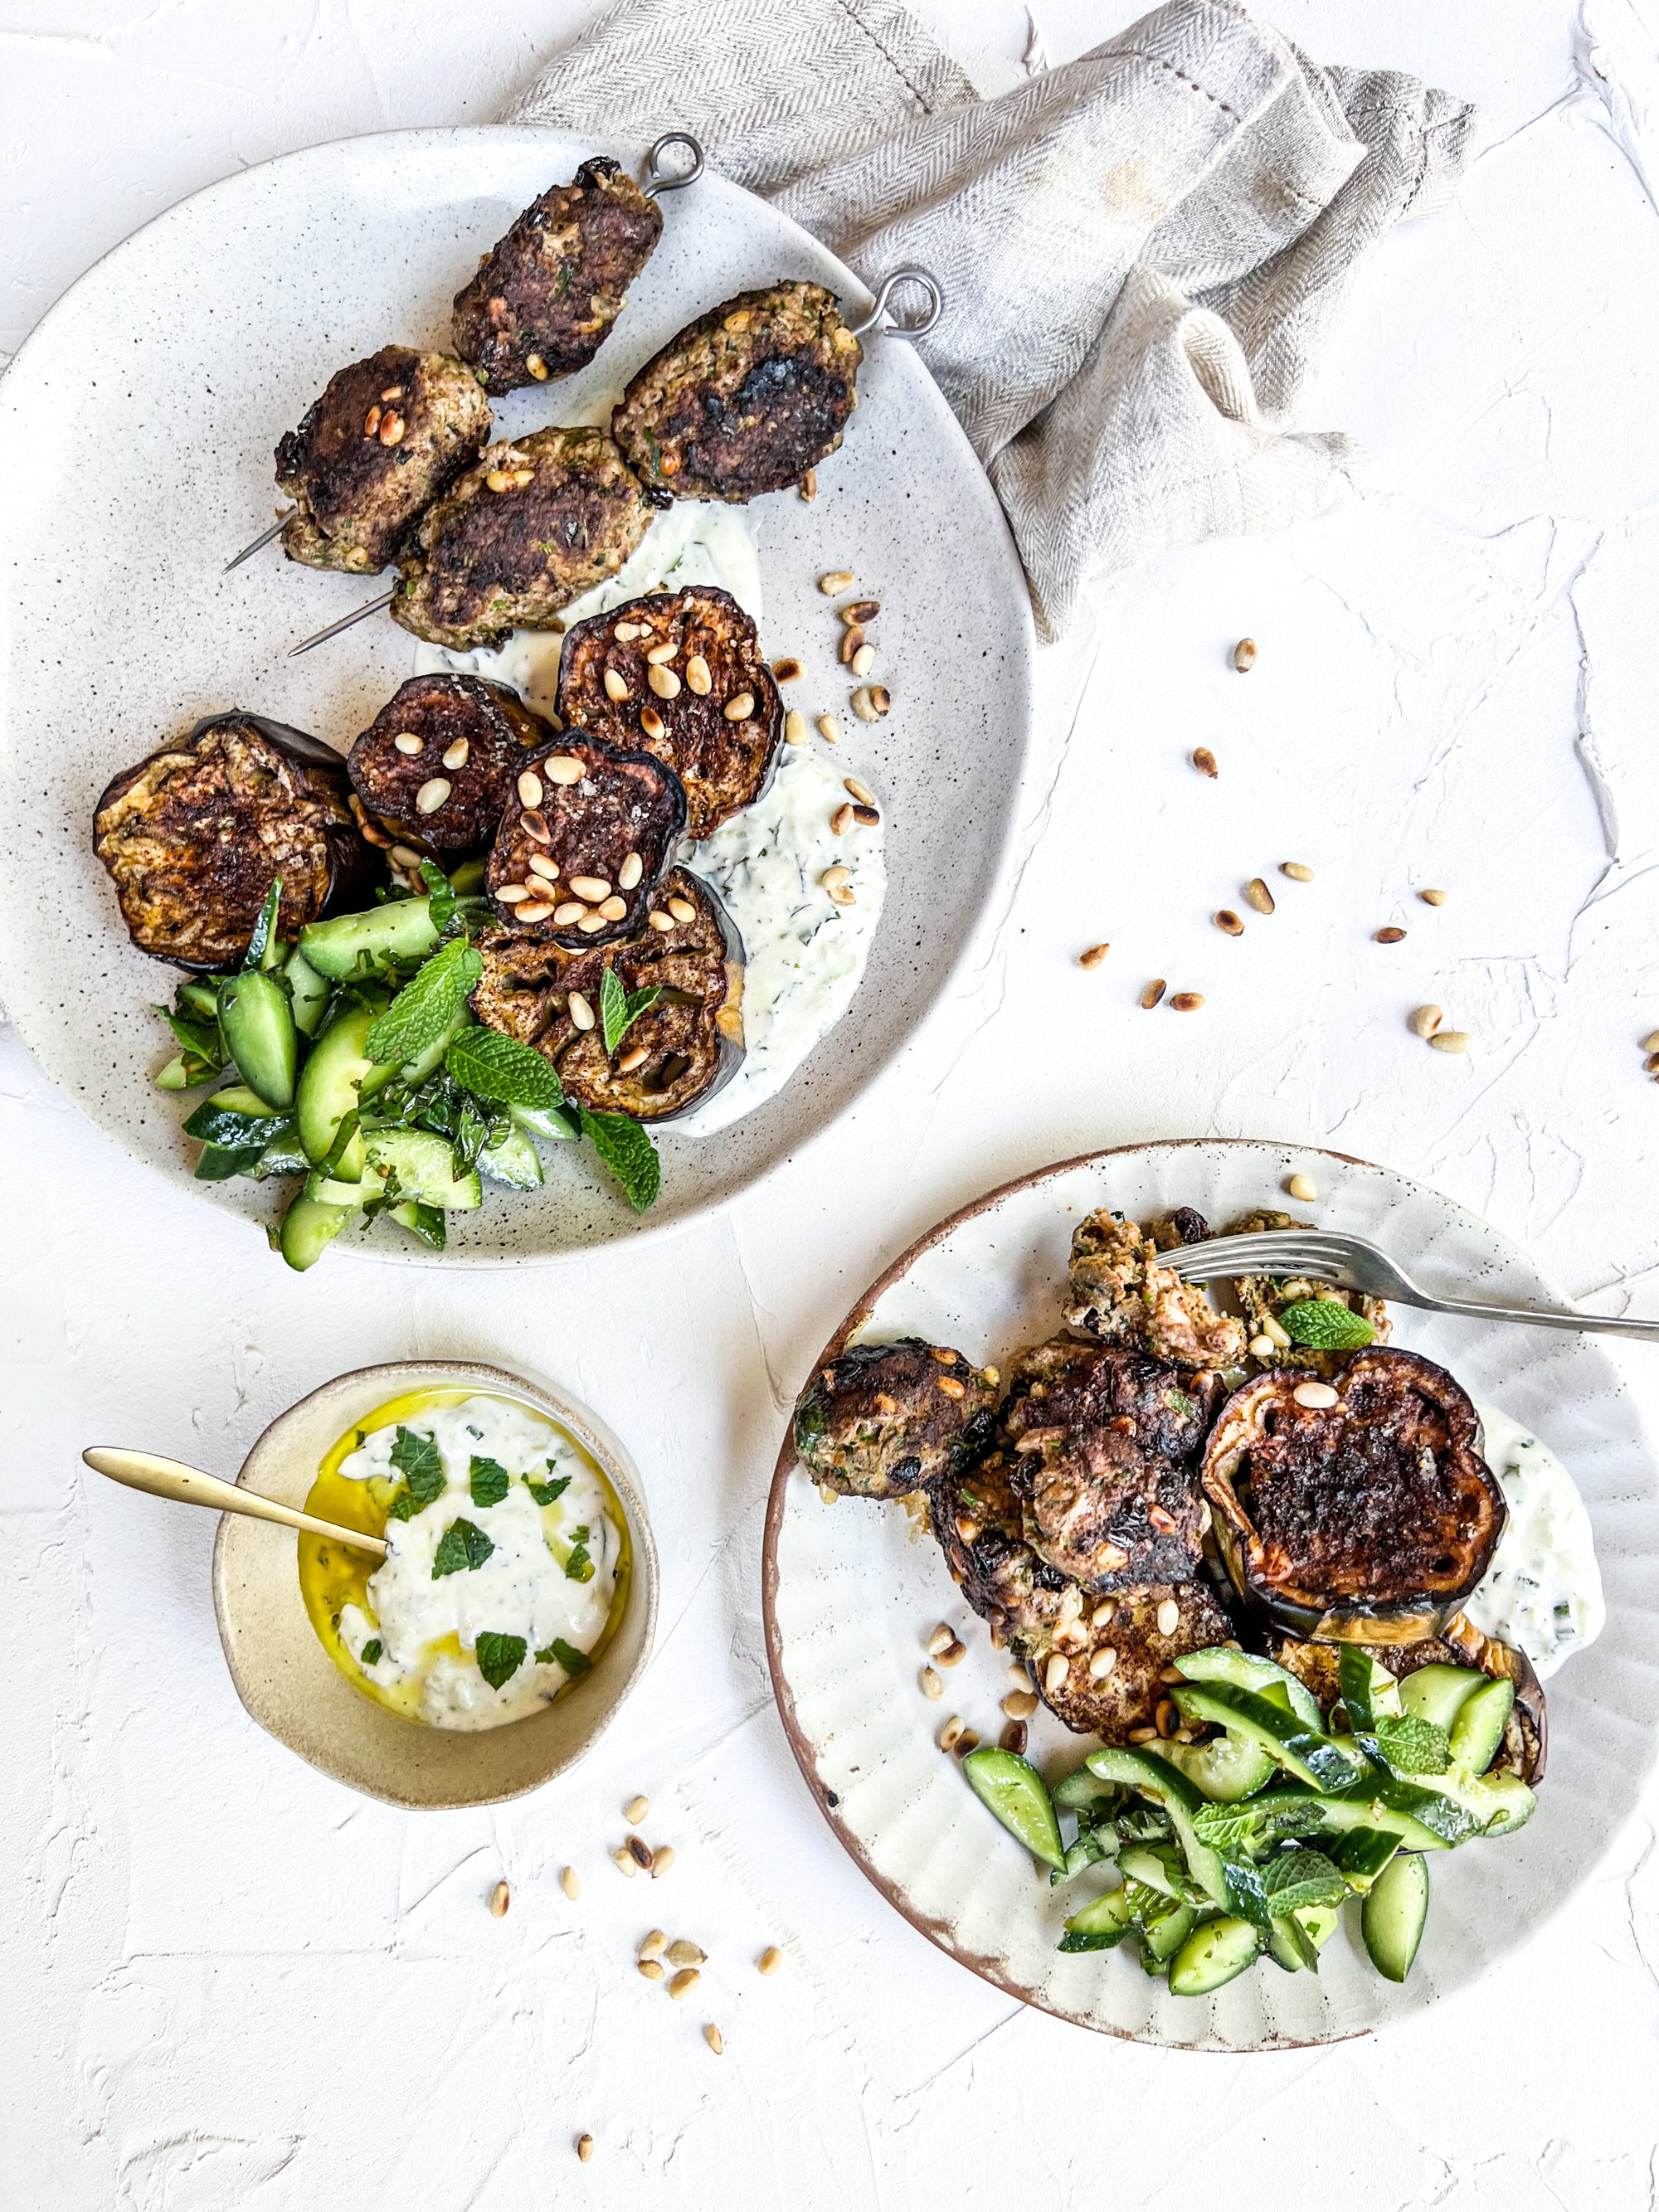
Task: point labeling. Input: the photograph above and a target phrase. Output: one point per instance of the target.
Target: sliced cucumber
(1143, 1863)
(237, 1098)
(1167, 1788)
(1217, 1952)
(1477, 1733)
(1298, 1934)
(424, 1221)
(256, 1024)
(402, 929)
(1015, 1792)
(425, 1165)
(1243, 1670)
(1363, 1854)
(332, 1086)
(557, 1123)
(282, 1155)
(1392, 1919)
(1102, 1923)
(308, 994)
(312, 1223)
(1363, 1807)
(201, 996)
(1493, 1804)
(466, 880)
(1226, 1769)
(1282, 1733)
(514, 1162)
(1163, 1937)
(1080, 1788)
(1439, 1693)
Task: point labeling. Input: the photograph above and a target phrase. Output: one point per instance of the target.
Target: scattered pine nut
(1425, 1021)
(1143, 1735)
(1650, 1065)
(432, 794)
(842, 820)
(571, 1883)
(652, 1969)
(862, 792)
(809, 486)
(653, 1945)
(787, 670)
(860, 610)
(1153, 992)
(636, 1810)
(956, 1650)
(616, 685)
(662, 1858)
(794, 727)
(684, 1983)
(683, 1952)
(951, 1733)
(851, 642)
(1390, 937)
(941, 1639)
(836, 580)
(499, 1898)
(622, 1859)
(1451, 1040)
(1093, 956)
(1261, 1347)
(1186, 1002)
(864, 659)
(640, 1851)
(1227, 919)
(711, 2035)
(829, 729)
(967, 1741)
(1296, 871)
(1020, 1704)
(1651, 1043)
(408, 744)
(1019, 1677)
(932, 1684)
(1013, 1738)
(584, 2147)
(1302, 1186)
(1204, 762)
(769, 1959)
(1244, 655)
(1257, 895)
(1433, 898)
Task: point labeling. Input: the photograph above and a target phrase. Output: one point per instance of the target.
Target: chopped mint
(558, 1653)
(1295, 1879)
(499, 1657)
(491, 1480)
(403, 1507)
(371, 1653)
(1226, 1828)
(1322, 1325)
(1412, 1745)
(620, 1008)
(545, 1492)
(579, 1566)
(463, 1545)
(418, 1459)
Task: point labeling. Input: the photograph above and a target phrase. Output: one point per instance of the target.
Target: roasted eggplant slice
(1121, 1294)
(388, 435)
(1145, 1631)
(1103, 1445)
(545, 296)
(680, 1051)
(194, 836)
(583, 845)
(882, 1419)
(533, 525)
(1265, 1298)
(437, 764)
(1369, 1519)
(746, 399)
(709, 707)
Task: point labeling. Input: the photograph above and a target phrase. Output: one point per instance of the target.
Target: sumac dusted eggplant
(436, 766)
(194, 836)
(710, 707)
(1103, 1443)
(882, 1419)
(388, 435)
(1366, 1519)
(746, 399)
(1113, 1681)
(531, 526)
(681, 1050)
(544, 297)
(1121, 1294)
(582, 847)
(1265, 1297)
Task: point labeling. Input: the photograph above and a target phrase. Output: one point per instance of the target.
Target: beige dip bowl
(293, 1689)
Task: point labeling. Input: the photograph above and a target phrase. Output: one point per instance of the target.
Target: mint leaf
(545, 1492)
(1411, 1745)
(418, 1459)
(558, 1653)
(490, 1482)
(628, 1152)
(264, 929)
(371, 1652)
(620, 1008)
(499, 1657)
(440, 895)
(463, 1544)
(1322, 1325)
(1293, 1880)
(426, 1005)
(499, 1068)
(1227, 1828)
(579, 1567)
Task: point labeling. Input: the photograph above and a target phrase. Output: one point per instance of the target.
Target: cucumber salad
(366, 1086)
(1251, 1844)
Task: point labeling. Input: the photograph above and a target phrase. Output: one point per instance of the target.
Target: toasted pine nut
(941, 1640)
(1227, 919)
(537, 367)
(652, 1969)
(652, 722)
(787, 670)
(590, 887)
(636, 1807)
(584, 2147)
(830, 729)
(852, 642)
(1204, 762)
(1101, 1663)
(1318, 1397)
(613, 908)
(1244, 655)
(1261, 1347)
(1296, 871)
(681, 1952)
(640, 1851)
(1650, 1044)
(1169, 1617)
(838, 884)
(535, 910)
(533, 823)
(500, 480)
(392, 429)
(372, 422)
(407, 744)
(860, 610)
(809, 486)
(660, 920)
(794, 727)
(658, 655)
(769, 1959)
(1451, 1040)
(697, 677)
(637, 1057)
(1020, 1704)
(684, 1983)
(967, 1741)
(1302, 1186)
(681, 909)
(499, 1898)
(864, 660)
(740, 708)
(953, 1654)
(1143, 1735)
(1433, 898)
(591, 924)
(1153, 992)
(615, 686)
(951, 1733)
(629, 875)
(867, 798)
(653, 1945)
(1186, 1002)
(933, 1684)
(1013, 1737)
(662, 1859)
(842, 820)
(836, 580)
(571, 1883)
(541, 866)
(571, 911)
(711, 2035)
(530, 787)
(1258, 895)
(1390, 937)
(432, 794)
(664, 683)
(511, 894)
(1425, 1021)
(1055, 1669)
(455, 756)
(625, 633)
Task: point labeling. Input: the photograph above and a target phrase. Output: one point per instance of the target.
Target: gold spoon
(170, 1478)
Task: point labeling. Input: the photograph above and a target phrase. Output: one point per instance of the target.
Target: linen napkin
(1143, 251)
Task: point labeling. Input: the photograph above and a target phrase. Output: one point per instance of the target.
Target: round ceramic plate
(853, 1590)
(136, 428)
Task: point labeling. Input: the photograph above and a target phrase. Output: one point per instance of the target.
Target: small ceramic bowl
(293, 1689)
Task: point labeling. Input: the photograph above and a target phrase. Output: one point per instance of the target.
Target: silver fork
(1331, 1256)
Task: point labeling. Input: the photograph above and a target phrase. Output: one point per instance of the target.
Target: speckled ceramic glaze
(136, 428)
(990, 1279)
(293, 1689)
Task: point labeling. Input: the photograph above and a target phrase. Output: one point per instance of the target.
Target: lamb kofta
(1103, 1447)
(744, 400)
(1265, 1298)
(437, 765)
(682, 675)
(1358, 1509)
(194, 836)
(880, 1420)
(681, 1049)
(587, 836)
(532, 524)
(389, 435)
(544, 296)
(1121, 1294)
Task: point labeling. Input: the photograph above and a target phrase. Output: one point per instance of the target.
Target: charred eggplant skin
(880, 1420)
(193, 835)
(490, 726)
(598, 817)
(1368, 1521)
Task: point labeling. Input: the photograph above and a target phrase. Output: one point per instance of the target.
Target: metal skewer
(345, 622)
(264, 538)
(658, 180)
(920, 325)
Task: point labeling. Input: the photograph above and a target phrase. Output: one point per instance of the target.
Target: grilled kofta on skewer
(680, 1050)
(681, 674)
(436, 766)
(544, 296)
(587, 836)
(882, 1419)
(1359, 1509)
(388, 436)
(744, 400)
(194, 836)
(534, 523)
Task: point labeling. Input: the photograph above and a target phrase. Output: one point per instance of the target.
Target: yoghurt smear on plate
(507, 1566)
(1543, 1589)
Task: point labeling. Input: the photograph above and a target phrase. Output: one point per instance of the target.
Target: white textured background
(227, 1983)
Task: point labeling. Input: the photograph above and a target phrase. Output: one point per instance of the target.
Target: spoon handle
(188, 1486)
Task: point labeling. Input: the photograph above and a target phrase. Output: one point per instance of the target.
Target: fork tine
(1277, 1254)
